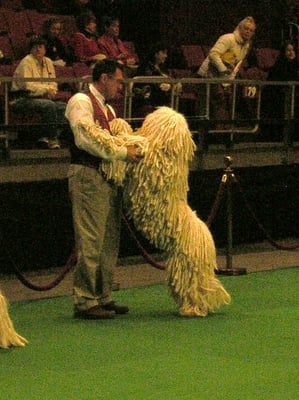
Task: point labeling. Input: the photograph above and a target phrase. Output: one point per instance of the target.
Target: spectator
(38, 97)
(224, 61)
(113, 47)
(277, 99)
(55, 48)
(85, 41)
(286, 65)
(157, 94)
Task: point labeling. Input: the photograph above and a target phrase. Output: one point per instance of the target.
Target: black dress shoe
(118, 309)
(95, 312)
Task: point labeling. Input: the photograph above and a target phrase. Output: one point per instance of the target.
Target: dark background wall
(179, 22)
(36, 224)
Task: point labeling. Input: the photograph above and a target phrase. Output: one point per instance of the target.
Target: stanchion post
(228, 178)
(229, 219)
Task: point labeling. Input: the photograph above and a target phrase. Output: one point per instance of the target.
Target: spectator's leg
(45, 108)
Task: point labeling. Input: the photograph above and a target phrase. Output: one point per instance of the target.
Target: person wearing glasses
(40, 97)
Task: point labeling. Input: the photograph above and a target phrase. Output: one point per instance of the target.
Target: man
(224, 61)
(95, 201)
(38, 97)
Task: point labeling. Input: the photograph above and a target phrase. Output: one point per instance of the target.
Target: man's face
(247, 31)
(113, 84)
(38, 51)
(113, 29)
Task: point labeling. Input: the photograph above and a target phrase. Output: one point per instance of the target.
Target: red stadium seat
(81, 70)
(130, 46)
(66, 89)
(13, 4)
(6, 47)
(194, 55)
(266, 57)
(68, 27)
(19, 31)
(37, 20)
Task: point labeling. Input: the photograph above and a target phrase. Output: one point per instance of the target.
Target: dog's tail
(8, 335)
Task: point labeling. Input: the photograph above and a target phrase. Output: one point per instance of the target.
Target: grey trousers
(51, 113)
(96, 220)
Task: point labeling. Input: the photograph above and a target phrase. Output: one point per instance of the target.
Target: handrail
(175, 95)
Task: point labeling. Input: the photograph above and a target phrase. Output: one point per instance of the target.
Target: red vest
(99, 114)
(79, 156)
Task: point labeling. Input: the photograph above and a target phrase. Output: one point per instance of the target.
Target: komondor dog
(8, 336)
(155, 198)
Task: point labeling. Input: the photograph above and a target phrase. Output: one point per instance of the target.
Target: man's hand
(133, 154)
(52, 93)
(225, 73)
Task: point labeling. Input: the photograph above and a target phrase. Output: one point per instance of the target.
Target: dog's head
(167, 132)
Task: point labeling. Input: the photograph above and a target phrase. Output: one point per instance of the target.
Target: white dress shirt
(80, 110)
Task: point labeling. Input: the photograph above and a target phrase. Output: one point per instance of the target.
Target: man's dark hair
(155, 48)
(36, 41)
(106, 66)
(108, 20)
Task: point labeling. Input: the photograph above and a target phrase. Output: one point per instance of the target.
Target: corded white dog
(155, 197)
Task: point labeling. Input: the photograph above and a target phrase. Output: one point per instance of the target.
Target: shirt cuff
(122, 154)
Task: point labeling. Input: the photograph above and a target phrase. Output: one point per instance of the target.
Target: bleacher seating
(17, 25)
(37, 20)
(13, 4)
(266, 57)
(81, 70)
(194, 56)
(130, 46)
(6, 47)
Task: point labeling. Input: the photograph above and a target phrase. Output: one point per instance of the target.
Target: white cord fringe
(8, 336)
(155, 197)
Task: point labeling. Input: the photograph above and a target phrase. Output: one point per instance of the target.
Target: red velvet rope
(147, 257)
(73, 257)
(216, 204)
(261, 227)
(42, 288)
(145, 254)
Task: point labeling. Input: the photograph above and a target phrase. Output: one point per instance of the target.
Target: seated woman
(85, 41)
(149, 96)
(55, 49)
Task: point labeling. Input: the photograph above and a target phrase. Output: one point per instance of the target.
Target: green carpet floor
(248, 350)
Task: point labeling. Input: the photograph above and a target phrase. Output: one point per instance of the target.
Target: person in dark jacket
(55, 48)
(278, 99)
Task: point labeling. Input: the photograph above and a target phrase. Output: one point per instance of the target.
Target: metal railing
(254, 88)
